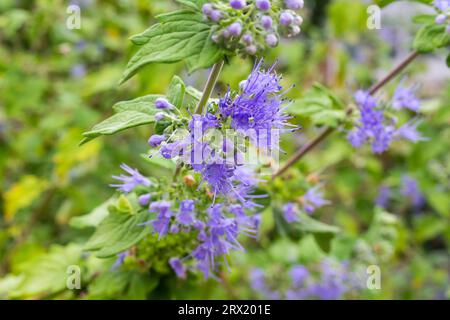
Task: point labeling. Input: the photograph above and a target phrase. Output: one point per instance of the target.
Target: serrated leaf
(117, 232)
(176, 92)
(118, 122)
(430, 37)
(179, 35)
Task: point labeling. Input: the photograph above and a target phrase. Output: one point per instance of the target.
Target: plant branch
(210, 83)
(328, 130)
(209, 87)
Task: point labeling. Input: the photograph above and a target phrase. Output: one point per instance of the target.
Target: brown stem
(328, 130)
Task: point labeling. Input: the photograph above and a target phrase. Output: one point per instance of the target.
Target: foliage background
(56, 83)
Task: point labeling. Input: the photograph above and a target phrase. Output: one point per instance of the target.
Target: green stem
(209, 87)
(212, 79)
(328, 130)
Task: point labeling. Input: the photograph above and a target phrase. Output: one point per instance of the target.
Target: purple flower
(257, 110)
(410, 189)
(298, 275)
(155, 140)
(203, 122)
(271, 40)
(119, 261)
(383, 196)
(409, 131)
(78, 71)
(161, 223)
(286, 18)
(442, 5)
(263, 5)
(144, 199)
(405, 98)
(371, 125)
(130, 182)
(237, 4)
(294, 4)
(235, 29)
(185, 214)
(290, 212)
(178, 267)
(266, 22)
(313, 199)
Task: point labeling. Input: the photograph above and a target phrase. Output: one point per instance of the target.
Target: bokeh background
(55, 83)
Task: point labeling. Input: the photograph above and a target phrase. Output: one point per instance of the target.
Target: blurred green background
(56, 83)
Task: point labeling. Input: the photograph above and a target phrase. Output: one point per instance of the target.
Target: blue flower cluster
(409, 189)
(376, 127)
(311, 200)
(330, 280)
(236, 27)
(197, 144)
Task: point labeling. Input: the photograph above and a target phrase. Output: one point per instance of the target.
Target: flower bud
(440, 18)
(294, 4)
(237, 4)
(207, 9)
(247, 38)
(159, 116)
(144, 199)
(155, 140)
(263, 5)
(235, 29)
(266, 22)
(298, 20)
(251, 50)
(272, 40)
(286, 18)
(162, 103)
(295, 30)
(189, 180)
(215, 15)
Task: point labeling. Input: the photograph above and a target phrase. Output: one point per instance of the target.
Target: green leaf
(308, 224)
(93, 218)
(159, 163)
(48, 274)
(176, 92)
(145, 104)
(194, 93)
(192, 4)
(430, 37)
(320, 105)
(423, 18)
(309, 250)
(118, 122)
(180, 35)
(117, 232)
(448, 61)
